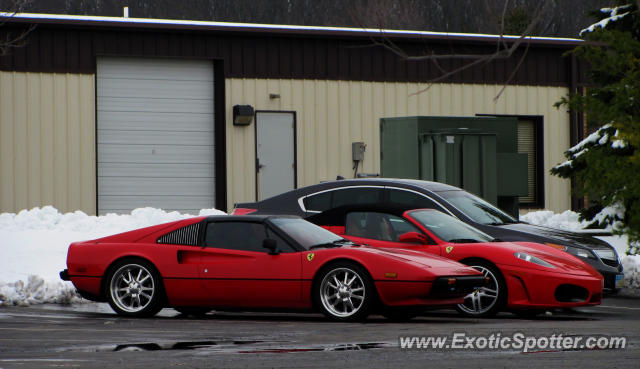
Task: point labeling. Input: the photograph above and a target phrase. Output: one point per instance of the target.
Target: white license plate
(619, 280)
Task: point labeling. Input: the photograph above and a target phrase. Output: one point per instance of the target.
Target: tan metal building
(108, 114)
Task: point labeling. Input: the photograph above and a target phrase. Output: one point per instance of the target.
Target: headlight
(606, 254)
(532, 259)
(582, 253)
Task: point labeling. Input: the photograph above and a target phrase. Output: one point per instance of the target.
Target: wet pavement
(92, 336)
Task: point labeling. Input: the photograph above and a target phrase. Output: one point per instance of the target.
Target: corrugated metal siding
(269, 55)
(332, 114)
(47, 140)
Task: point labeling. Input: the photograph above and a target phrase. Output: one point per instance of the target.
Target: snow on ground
(33, 247)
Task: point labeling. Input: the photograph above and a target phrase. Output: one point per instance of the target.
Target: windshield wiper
(336, 243)
(464, 240)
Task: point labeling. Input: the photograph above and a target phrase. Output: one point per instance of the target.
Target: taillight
(243, 211)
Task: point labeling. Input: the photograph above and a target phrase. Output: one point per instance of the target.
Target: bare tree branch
(11, 39)
(505, 47)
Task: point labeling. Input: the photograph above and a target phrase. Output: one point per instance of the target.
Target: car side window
(411, 199)
(357, 195)
(282, 245)
(244, 236)
(318, 202)
(343, 196)
(377, 226)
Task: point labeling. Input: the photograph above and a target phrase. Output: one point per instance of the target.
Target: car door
(384, 230)
(237, 270)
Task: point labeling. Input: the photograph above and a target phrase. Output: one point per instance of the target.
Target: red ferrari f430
(524, 277)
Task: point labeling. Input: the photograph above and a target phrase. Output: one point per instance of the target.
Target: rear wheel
(134, 288)
(344, 292)
(487, 300)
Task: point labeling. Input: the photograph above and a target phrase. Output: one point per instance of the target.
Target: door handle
(258, 165)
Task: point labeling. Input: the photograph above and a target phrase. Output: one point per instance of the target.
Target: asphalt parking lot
(92, 336)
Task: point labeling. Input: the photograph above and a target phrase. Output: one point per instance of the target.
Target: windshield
(448, 228)
(305, 233)
(476, 208)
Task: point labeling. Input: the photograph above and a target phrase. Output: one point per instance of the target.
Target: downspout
(576, 128)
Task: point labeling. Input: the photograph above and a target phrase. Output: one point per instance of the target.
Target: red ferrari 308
(260, 262)
(524, 277)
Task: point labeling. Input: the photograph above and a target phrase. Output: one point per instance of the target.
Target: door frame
(255, 147)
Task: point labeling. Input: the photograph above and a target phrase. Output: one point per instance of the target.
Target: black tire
(481, 295)
(133, 287)
(400, 314)
(344, 301)
(192, 310)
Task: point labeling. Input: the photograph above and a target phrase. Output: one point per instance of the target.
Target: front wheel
(345, 292)
(488, 300)
(134, 288)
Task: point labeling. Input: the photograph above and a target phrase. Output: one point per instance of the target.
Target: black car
(454, 201)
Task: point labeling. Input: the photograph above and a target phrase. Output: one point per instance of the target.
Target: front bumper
(528, 288)
(442, 292)
(608, 272)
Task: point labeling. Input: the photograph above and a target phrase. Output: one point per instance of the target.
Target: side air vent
(182, 236)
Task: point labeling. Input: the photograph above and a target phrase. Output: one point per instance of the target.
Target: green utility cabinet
(478, 154)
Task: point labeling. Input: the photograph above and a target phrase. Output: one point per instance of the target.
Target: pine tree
(606, 165)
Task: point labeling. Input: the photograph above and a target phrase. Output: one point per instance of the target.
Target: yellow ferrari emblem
(449, 249)
(310, 256)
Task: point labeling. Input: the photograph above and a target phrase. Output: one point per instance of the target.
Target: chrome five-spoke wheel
(344, 292)
(486, 300)
(133, 289)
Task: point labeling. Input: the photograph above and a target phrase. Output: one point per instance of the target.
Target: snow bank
(567, 220)
(33, 248)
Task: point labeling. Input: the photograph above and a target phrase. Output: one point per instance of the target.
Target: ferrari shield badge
(310, 256)
(449, 249)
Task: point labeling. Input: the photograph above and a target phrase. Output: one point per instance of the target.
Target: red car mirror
(413, 237)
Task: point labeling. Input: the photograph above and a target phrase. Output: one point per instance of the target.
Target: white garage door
(155, 134)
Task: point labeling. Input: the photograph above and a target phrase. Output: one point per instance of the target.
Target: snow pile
(567, 220)
(631, 265)
(33, 248)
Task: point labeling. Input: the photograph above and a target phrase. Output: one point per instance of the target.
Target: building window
(530, 142)
(527, 141)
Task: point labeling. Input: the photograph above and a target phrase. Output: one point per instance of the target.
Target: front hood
(552, 235)
(421, 259)
(563, 261)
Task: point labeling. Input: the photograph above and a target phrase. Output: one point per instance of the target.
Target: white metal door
(155, 134)
(275, 153)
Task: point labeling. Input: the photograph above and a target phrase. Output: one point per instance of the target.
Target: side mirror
(413, 237)
(271, 245)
